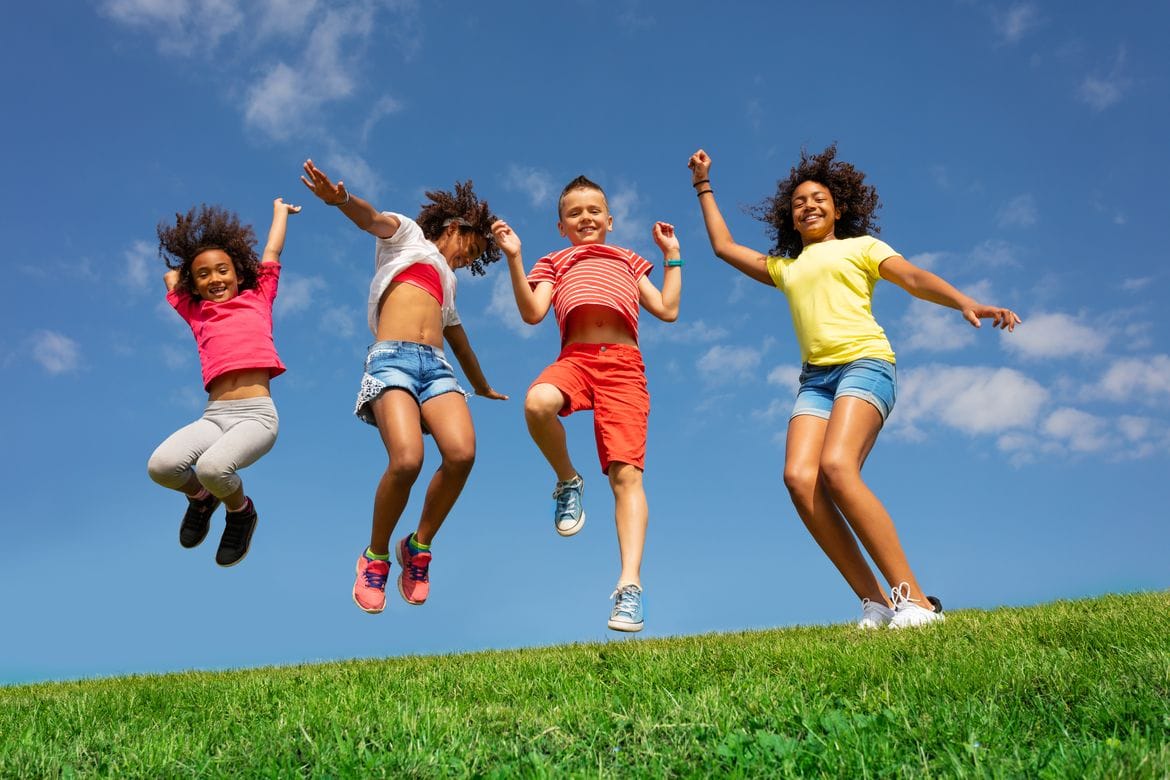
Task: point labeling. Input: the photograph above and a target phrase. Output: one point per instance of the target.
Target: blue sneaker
(627, 609)
(569, 516)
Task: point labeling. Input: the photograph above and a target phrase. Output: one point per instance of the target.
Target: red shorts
(610, 379)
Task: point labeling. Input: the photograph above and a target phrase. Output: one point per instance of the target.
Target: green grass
(1071, 689)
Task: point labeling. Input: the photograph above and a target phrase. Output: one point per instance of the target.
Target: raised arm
(664, 304)
(461, 346)
(743, 259)
(930, 287)
(275, 244)
(533, 304)
(171, 278)
(360, 212)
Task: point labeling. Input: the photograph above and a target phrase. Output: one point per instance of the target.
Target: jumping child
(826, 264)
(408, 387)
(224, 293)
(595, 290)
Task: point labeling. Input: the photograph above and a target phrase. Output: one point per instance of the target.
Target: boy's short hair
(579, 183)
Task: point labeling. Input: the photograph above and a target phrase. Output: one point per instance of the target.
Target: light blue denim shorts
(419, 369)
(869, 379)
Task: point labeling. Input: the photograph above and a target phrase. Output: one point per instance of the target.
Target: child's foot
(569, 515)
(414, 583)
(197, 520)
(627, 609)
(369, 589)
(907, 612)
(237, 535)
(874, 614)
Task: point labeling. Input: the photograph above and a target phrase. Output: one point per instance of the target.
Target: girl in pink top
(224, 292)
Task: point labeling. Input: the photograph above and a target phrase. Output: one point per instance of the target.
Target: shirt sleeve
(267, 279)
(875, 253)
(639, 266)
(775, 266)
(542, 272)
(181, 301)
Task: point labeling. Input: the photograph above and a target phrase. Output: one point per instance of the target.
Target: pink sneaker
(414, 583)
(369, 589)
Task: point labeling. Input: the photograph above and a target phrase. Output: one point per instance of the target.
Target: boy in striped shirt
(595, 290)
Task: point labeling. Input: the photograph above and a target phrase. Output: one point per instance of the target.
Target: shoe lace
(418, 571)
(568, 497)
(627, 600)
(868, 606)
(900, 596)
(374, 579)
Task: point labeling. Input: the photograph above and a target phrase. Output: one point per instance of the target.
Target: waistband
(257, 402)
(578, 348)
(406, 346)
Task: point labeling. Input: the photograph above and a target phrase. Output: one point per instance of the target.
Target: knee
(624, 478)
(219, 478)
(838, 473)
(405, 467)
(800, 480)
(460, 459)
(166, 472)
(543, 402)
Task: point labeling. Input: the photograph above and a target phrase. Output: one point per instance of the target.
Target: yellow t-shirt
(829, 288)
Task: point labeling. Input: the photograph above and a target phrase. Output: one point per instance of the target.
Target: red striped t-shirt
(598, 274)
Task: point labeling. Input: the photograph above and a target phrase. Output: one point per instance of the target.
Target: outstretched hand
(506, 238)
(665, 238)
(331, 194)
(288, 208)
(492, 394)
(700, 165)
(1004, 319)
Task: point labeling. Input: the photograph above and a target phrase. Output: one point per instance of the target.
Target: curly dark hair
(857, 201)
(579, 183)
(208, 227)
(462, 204)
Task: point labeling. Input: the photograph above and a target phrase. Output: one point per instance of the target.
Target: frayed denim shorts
(869, 379)
(419, 369)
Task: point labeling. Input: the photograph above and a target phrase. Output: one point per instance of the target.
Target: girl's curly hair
(208, 227)
(462, 204)
(857, 201)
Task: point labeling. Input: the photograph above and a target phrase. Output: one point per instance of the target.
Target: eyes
(204, 272)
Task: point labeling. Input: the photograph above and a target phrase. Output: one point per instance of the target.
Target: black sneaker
(197, 521)
(237, 535)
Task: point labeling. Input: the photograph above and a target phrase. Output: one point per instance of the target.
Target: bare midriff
(409, 313)
(235, 385)
(594, 324)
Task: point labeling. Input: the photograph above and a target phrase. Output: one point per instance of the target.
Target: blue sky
(1019, 150)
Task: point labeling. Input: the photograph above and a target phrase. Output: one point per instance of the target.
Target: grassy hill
(1070, 689)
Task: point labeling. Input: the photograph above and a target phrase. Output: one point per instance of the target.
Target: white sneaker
(907, 612)
(874, 614)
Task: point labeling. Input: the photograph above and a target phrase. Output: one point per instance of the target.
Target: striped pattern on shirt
(597, 274)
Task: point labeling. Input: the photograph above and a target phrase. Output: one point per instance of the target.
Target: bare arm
(360, 212)
(664, 304)
(747, 261)
(533, 304)
(457, 337)
(930, 287)
(171, 279)
(275, 244)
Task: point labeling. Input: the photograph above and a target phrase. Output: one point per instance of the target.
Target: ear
(561, 229)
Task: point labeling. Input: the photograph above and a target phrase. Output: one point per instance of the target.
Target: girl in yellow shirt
(826, 263)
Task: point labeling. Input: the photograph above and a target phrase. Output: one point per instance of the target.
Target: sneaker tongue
(378, 567)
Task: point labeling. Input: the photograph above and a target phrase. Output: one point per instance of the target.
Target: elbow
(530, 318)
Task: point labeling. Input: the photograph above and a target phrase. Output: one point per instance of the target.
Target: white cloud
(284, 17)
(722, 363)
(933, 328)
(357, 174)
(632, 17)
(697, 332)
(1145, 379)
(1134, 284)
(339, 321)
(180, 27)
(536, 183)
(785, 376)
(1078, 431)
(502, 307)
(175, 357)
(385, 106)
(994, 254)
(1101, 90)
(139, 259)
(972, 399)
(296, 293)
(1017, 20)
(1055, 336)
(927, 260)
(630, 227)
(1020, 211)
(56, 352)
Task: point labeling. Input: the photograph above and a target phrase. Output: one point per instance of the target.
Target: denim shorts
(869, 379)
(419, 369)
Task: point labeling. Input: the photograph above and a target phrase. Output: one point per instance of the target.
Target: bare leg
(802, 477)
(852, 430)
(397, 416)
(632, 516)
(541, 406)
(449, 419)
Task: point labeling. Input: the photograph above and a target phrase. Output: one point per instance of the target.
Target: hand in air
(506, 238)
(492, 394)
(664, 237)
(1004, 319)
(700, 165)
(279, 204)
(332, 194)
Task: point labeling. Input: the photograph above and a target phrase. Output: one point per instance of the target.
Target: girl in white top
(408, 387)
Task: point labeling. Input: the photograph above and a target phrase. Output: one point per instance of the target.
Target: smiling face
(460, 245)
(585, 217)
(814, 215)
(214, 276)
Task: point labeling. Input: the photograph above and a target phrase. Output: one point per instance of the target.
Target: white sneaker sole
(573, 529)
(629, 628)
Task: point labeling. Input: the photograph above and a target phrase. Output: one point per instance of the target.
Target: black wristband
(703, 181)
(701, 193)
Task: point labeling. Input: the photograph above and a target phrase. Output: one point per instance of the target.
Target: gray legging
(229, 436)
